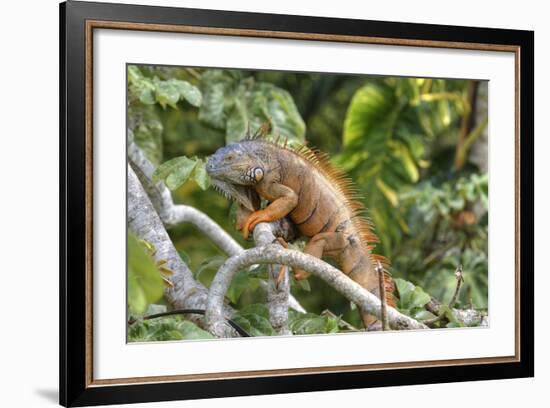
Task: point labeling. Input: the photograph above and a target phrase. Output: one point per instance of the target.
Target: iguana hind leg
(319, 245)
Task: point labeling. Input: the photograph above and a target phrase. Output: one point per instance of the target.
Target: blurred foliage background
(415, 147)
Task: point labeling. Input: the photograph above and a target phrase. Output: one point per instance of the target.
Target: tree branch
(274, 254)
(278, 292)
(173, 214)
(143, 220)
(468, 317)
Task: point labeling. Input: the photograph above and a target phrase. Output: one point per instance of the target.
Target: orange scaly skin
(320, 201)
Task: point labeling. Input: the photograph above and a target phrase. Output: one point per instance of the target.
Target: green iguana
(301, 184)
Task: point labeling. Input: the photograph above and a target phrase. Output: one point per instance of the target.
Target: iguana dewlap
(319, 199)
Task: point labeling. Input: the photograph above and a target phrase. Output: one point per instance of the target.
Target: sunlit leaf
(388, 192)
(237, 104)
(175, 172)
(189, 92)
(411, 297)
(370, 106)
(145, 284)
(200, 175)
(190, 331)
(166, 93)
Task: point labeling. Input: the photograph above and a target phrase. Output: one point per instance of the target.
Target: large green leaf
(411, 297)
(276, 104)
(164, 92)
(200, 175)
(191, 331)
(241, 282)
(169, 328)
(175, 172)
(189, 92)
(217, 88)
(236, 105)
(145, 285)
(368, 114)
(255, 320)
(310, 323)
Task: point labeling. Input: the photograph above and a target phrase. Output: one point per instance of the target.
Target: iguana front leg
(283, 200)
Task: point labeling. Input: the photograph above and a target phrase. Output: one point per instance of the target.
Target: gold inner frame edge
(93, 24)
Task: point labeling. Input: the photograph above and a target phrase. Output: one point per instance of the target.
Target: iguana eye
(258, 174)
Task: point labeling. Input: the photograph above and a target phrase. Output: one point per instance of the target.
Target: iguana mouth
(241, 194)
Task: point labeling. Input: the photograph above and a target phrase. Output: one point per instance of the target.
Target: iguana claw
(254, 219)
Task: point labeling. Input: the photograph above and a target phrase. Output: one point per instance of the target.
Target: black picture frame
(75, 387)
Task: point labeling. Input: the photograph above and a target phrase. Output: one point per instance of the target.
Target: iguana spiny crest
(302, 184)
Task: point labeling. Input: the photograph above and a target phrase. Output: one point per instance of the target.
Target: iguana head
(234, 170)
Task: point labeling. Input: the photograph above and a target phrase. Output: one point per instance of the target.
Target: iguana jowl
(317, 197)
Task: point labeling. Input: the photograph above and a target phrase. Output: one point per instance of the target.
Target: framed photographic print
(256, 203)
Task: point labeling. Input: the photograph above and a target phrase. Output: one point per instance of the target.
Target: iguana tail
(366, 274)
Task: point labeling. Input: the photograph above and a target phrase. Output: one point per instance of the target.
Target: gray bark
(278, 294)
(468, 317)
(143, 221)
(274, 254)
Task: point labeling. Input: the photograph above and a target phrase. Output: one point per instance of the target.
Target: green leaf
(304, 285)
(456, 203)
(200, 175)
(154, 309)
(141, 86)
(310, 323)
(423, 315)
(175, 172)
(145, 285)
(236, 104)
(217, 87)
(282, 111)
(369, 107)
(388, 192)
(254, 319)
(239, 283)
(237, 122)
(419, 298)
(256, 308)
(187, 91)
(184, 256)
(212, 263)
(212, 108)
(147, 96)
(402, 152)
(410, 296)
(405, 290)
(166, 93)
(191, 331)
(168, 328)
